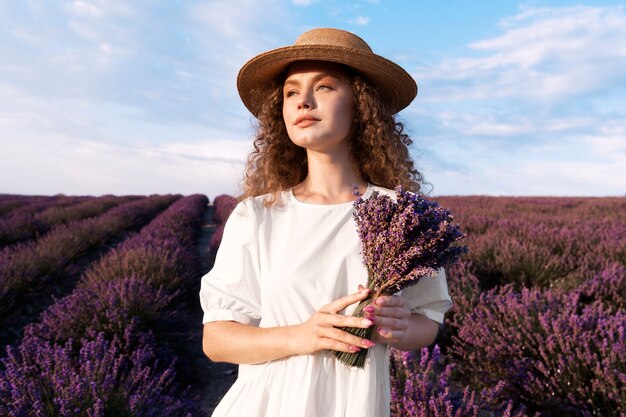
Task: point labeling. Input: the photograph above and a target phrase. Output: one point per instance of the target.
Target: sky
(117, 97)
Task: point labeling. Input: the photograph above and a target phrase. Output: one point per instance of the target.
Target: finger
(394, 312)
(390, 301)
(376, 312)
(330, 320)
(339, 320)
(341, 336)
(343, 302)
(391, 323)
(389, 334)
(333, 344)
(370, 309)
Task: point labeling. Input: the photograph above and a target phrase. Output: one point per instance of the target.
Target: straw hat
(394, 85)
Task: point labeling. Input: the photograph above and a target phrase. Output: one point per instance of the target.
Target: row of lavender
(10, 202)
(27, 268)
(223, 205)
(30, 221)
(111, 346)
(539, 321)
(541, 242)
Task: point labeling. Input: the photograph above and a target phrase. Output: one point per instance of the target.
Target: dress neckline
(368, 191)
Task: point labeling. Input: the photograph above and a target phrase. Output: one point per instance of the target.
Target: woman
(285, 275)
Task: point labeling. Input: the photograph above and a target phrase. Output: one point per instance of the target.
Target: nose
(305, 101)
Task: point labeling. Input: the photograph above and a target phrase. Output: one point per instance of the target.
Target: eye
(324, 87)
(290, 93)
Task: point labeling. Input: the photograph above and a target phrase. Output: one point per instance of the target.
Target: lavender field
(99, 313)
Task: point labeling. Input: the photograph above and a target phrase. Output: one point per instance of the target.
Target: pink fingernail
(380, 301)
(368, 343)
(369, 309)
(354, 349)
(383, 331)
(367, 322)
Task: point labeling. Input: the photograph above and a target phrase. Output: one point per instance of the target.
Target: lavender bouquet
(402, 241)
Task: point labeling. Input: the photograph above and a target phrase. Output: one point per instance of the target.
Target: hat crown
(333, 37)
(395, 87)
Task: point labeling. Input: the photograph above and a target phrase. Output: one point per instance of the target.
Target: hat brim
(394, 85)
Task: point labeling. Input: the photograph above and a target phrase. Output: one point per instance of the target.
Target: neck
(330, 179)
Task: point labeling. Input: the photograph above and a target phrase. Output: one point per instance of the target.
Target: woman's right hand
(321, 331)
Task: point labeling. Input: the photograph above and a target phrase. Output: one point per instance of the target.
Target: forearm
(421, 332)
(229, 341)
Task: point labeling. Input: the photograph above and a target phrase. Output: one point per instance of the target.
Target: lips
(305, 119)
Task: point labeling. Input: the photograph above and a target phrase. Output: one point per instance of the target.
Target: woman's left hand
(391, 317)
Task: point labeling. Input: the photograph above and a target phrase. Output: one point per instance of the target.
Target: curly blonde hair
(378, 147)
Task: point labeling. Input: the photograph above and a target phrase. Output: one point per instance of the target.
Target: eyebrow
(315, 79)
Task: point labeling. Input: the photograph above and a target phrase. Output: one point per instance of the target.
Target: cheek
(346, 114)
(286, 117)
(288, 126)
(285, 114)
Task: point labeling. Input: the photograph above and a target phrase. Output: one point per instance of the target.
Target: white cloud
(102, 8)
(102, 101)
(543, 54)
(575, 165)
(64, 145)
(87, 9)
(360, 20)
(484, 123)
(60, 164)
(68, 49)
(609, 144)
(227, 34)
(538, 110)
(241, 22)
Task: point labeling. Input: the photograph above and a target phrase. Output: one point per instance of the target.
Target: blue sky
(515, 98)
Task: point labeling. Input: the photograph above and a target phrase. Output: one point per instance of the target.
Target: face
(317, 105)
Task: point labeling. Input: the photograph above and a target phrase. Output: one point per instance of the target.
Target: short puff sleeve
(429, 296)
(231, 290)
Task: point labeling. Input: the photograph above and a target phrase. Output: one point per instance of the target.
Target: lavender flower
(540, 241)
(402, 241)
(216, 240)
(553, 352)
(108, 308)
(25, 267)
(92, 379)
(96, 352)
(421, 387)
(223, 205)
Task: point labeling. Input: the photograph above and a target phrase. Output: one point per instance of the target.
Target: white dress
(277, 266)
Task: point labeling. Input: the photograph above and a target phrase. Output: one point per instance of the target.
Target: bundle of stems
(403, 240)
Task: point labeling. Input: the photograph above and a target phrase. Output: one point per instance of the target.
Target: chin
(316, 144)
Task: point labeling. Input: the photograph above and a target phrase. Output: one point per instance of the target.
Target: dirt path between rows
(216, 377)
